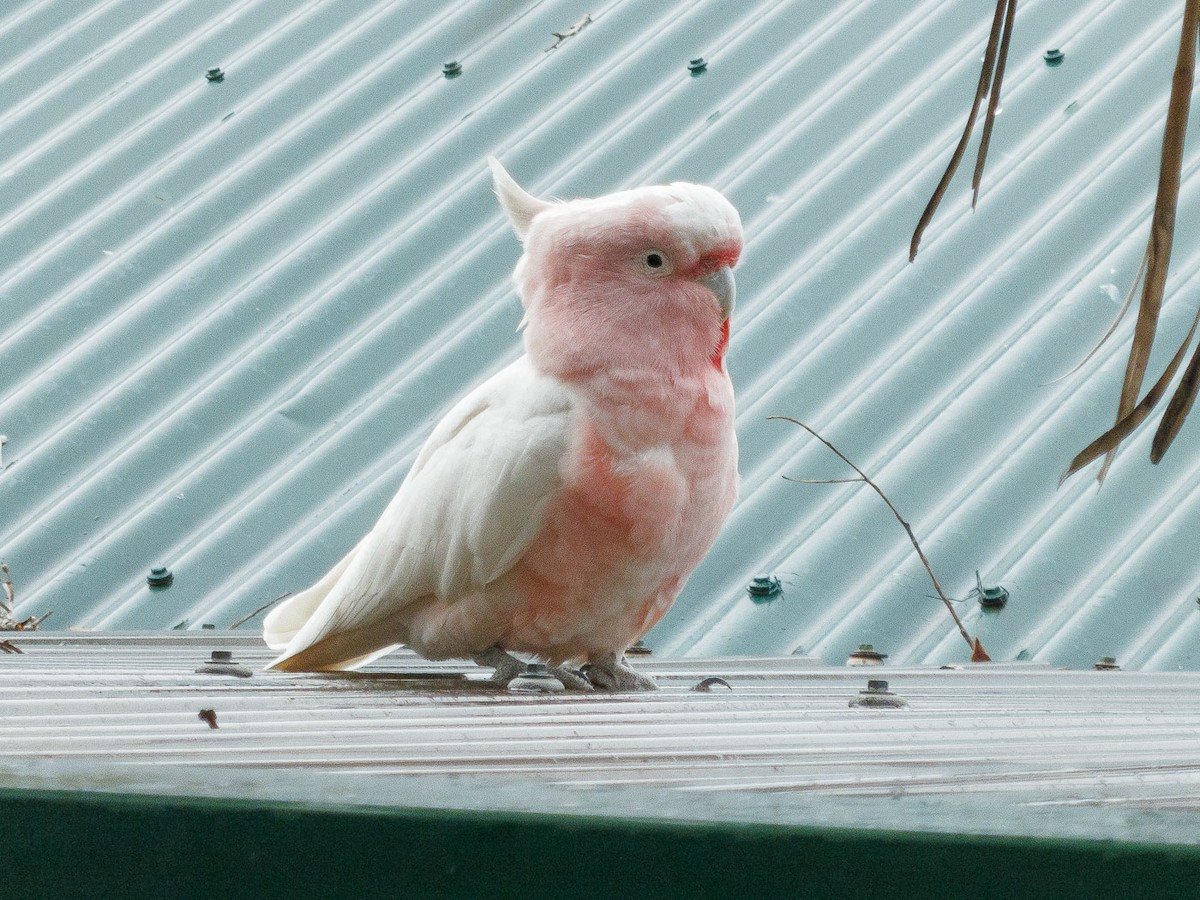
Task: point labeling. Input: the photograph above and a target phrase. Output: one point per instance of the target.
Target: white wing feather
(473, 501)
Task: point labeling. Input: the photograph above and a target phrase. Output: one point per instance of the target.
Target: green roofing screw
(866, 655)
(215, 74)
(990, 597)
(1107, 664)
(764, 587)
(160, 576)
(1053, 57)
(452, 69)
(697, 65)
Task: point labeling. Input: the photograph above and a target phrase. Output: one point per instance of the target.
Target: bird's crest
(520, 205)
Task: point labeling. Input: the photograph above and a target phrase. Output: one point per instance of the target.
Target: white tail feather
(285, 620)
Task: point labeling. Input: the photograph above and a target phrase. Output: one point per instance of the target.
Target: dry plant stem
(1130, 414)
(862, 476)
(985, 83)
(246, 618)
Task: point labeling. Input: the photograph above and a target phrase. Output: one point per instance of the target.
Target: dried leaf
(1158, 248)
(985, 82)
(1177, 409)
(1112, 438)
(978, 654)
(989, 122)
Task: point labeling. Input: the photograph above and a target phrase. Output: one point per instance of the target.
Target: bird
(557, 510)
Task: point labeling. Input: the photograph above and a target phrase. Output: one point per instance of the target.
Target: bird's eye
(655, 262)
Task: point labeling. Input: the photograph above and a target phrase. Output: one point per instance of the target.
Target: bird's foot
(610, 674)
(506, 666)
(571, 679)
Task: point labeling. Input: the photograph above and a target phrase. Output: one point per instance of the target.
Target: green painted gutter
(68, 843)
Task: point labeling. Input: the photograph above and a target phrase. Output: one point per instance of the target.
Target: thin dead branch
(1131, 413)
(561, 36)
(246, 618)
(978, 654)
(997, 46)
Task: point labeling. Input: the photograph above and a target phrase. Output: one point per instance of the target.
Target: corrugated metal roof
(231, 310)
(1027, 735)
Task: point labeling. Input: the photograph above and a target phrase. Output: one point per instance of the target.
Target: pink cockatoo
(558, 509)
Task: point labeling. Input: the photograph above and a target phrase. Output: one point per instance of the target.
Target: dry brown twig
(978, 654)
(561, 36)
(246, 618)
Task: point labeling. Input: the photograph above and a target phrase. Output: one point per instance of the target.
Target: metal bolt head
(215, 75)
(866, 655)
(697, 65)
(877, 696)
(764, 587)
(1053, 57)
(221, 663)
(1107, 663)
(160, 576)
(639, 649)
(536, 679)
(452, 69)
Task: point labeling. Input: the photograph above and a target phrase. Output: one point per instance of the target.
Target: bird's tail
(285, 620)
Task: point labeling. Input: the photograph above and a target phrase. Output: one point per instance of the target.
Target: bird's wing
(473, 501)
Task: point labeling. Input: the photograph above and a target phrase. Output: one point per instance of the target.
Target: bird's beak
(721, 283)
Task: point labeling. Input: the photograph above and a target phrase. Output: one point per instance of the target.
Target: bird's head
(636, 279)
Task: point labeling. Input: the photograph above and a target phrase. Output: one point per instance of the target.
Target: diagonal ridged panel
(230, 312)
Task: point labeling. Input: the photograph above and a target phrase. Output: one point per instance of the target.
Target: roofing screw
(536, 679)
(764, 587)
(866, 655)
(697, 65)
(1053, 57)
(452, 69)
(877, 696)
(221, 663)
(209, 626)
(215, 75)
(990, 597)
(1107, 663)
(638, 649)
(160, 576)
